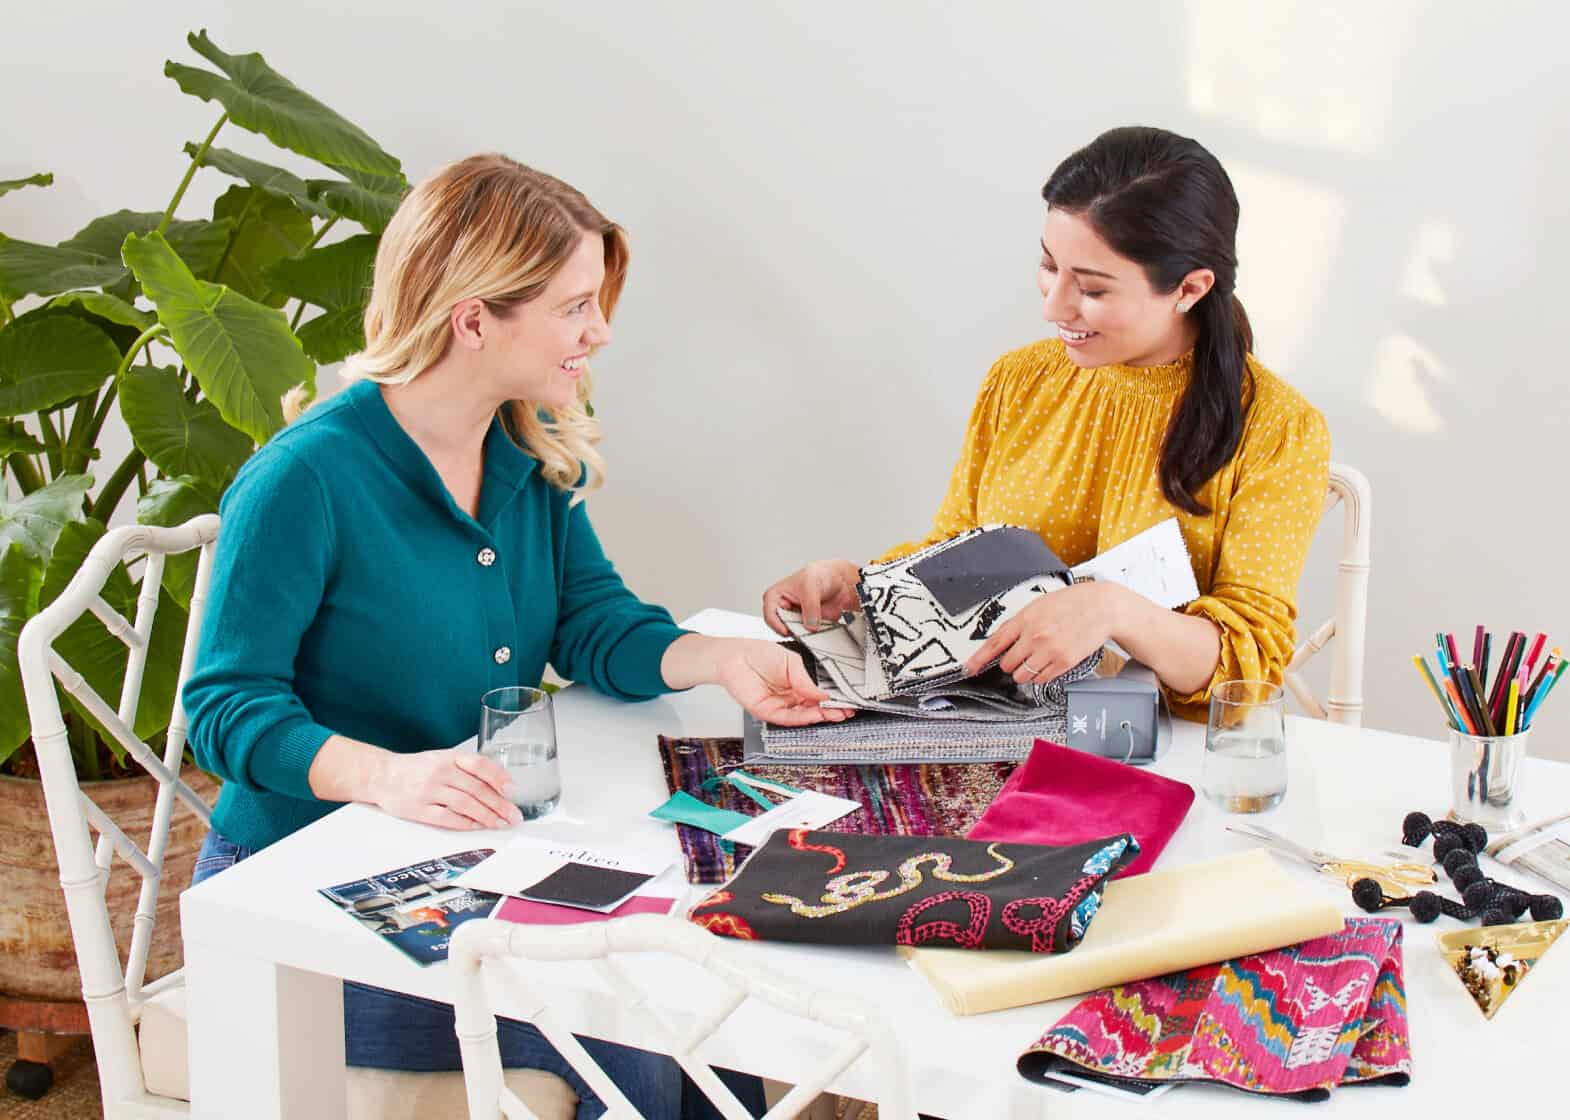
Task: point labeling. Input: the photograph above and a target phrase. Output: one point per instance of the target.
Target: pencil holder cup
(1483, 778)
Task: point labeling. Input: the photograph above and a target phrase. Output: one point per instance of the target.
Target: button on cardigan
(1074, 454)
(352, 595)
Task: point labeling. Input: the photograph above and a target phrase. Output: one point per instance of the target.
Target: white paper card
(808, 809)
(1154, 563)
(528, 859)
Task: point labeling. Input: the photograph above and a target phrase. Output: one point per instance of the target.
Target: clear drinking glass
(518, 730)
(1245, 768)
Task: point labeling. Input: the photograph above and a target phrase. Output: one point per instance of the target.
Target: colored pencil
(1477, 647)
(1466, 720)
(1507, 667)
(1482, 666)
(1476, 688)
(1515, 696)
(1450, 648)
(1537, 649)
(1543, 693)
(1433, 686)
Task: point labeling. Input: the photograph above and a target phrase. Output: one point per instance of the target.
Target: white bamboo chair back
(484, 940)
(1349, 626)
(114, 997)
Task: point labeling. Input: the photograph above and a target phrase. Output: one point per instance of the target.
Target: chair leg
(31, 1075)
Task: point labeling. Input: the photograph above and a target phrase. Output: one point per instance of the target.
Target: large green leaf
(89, 648)
(27, 268)
(260, 99)
(337, 278)
(171, 502)
(35, 521)
(14, 437)
(106, 306)
(180, 436)
(243, 354)
(42, 179)
(268, 228)
(47, 360)
(90, 258)
(199, 243)
(371, 207)
(333, 336)
(334, 276)
(20, 575)
(263, 176)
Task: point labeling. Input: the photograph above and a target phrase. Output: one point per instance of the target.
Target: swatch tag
(808, 809)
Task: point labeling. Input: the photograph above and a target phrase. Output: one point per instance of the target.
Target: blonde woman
(420, 539)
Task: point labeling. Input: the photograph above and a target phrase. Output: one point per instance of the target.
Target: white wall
(833, 210)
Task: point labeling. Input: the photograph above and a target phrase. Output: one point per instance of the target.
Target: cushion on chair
(374, 1094)
(392, 1094)
(161, 1039)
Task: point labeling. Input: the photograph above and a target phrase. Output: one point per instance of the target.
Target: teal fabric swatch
(683, 808)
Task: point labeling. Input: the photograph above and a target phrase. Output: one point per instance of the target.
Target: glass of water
(1245, 768)
(518, 730)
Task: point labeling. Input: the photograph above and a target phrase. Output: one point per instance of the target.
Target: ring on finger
(1031, 669)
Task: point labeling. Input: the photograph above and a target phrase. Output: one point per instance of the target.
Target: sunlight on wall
(1398, 390)
(1294, 73)
(1286, 235)
(1433, 247)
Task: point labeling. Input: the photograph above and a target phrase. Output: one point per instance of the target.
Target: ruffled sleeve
(1278, 497)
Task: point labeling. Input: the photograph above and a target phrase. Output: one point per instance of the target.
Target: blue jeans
(390, 1030)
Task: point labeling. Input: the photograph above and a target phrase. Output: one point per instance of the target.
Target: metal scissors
(1397, 875)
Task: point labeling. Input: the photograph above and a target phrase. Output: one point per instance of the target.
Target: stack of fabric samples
(900, 660)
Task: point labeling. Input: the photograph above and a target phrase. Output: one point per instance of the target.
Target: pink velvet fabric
(1062, 796)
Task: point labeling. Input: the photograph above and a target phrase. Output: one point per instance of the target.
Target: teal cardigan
(350, 594)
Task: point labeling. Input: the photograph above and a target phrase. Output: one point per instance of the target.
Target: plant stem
(51, 440)
(27, 478)
(298, 311)
(157, 330)
(76, 444)
(317, 236)
(102, 413)
(109, 497)
(196, 161)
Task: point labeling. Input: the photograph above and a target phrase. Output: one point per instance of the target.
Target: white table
(265, 955)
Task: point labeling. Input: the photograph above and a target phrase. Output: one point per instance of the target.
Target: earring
(1182, 308)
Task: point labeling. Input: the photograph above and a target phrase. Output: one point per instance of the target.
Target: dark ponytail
(1164, 202)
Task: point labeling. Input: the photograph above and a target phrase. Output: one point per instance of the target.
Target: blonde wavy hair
(487, 228)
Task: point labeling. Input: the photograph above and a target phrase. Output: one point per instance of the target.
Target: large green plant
(212, 296)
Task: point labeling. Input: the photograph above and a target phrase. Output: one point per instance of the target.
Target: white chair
(485, 940)
(139, 1029)
(1349, 627)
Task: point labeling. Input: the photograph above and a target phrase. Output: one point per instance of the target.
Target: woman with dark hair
(1146, 405)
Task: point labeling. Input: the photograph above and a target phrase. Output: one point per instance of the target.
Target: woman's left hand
(771, 682)
(1054, 634)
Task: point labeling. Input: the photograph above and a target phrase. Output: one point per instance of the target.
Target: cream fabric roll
(1148, 925)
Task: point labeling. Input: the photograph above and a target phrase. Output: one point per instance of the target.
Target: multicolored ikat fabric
(1293, 1022)
(837, 889)
(906, 800)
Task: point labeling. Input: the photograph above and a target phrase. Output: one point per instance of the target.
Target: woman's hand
(1055, 633)
(448, 788)
(767, 679)
(825, 587)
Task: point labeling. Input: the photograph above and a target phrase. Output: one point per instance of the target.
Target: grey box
(1123, 717)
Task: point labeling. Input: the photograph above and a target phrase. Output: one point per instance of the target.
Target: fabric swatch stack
(900, 659)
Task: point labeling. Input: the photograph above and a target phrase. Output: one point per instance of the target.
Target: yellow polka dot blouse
(1074, 454)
